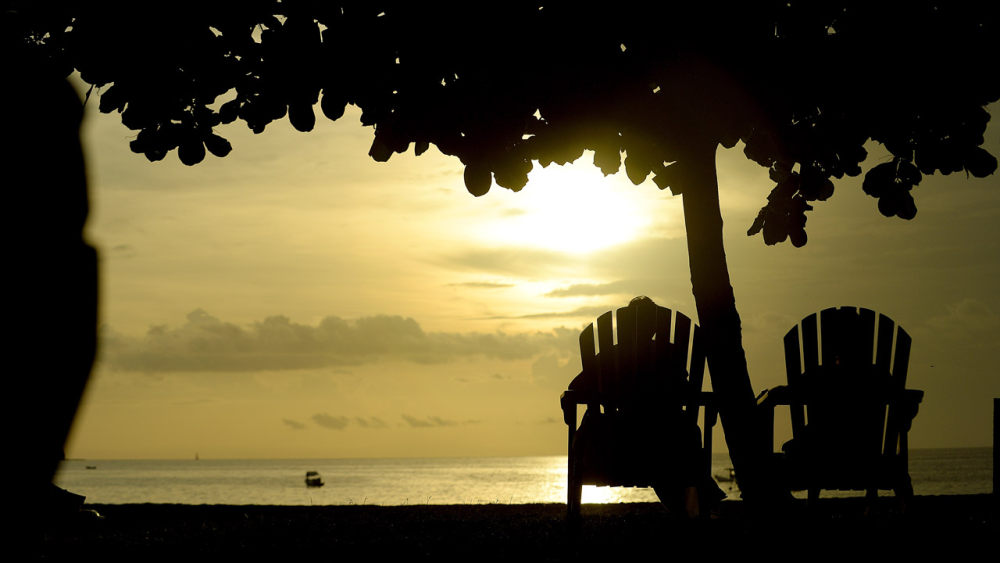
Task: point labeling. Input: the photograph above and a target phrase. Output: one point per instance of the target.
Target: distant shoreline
(503, 531)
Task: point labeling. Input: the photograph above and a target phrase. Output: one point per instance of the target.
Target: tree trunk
(719, 320)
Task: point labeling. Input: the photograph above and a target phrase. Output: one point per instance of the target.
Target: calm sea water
(422, 481)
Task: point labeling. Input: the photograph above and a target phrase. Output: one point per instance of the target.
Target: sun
(573, 209)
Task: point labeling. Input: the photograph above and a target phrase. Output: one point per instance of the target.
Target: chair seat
(843, 473)
(616, 450)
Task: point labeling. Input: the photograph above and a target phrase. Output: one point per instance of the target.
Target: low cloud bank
(206, 343)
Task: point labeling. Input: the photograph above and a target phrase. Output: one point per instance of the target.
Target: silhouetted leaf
(156, 154)
(907, 174)
(217, 145)
(112, 100)
(637, 167)
(880, 180)
(512, 174)
(229, 111)
(379, 151)
(758, 224)
(332, 104)
(890, 202)
(477, 179)
(798, 237)
(191, 152)
(980, 163)
(775, 231)
(668, 177)
(301, 116)
(907, 208)
(608, 158)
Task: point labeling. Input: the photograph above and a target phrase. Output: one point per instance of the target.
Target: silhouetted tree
(803, 84)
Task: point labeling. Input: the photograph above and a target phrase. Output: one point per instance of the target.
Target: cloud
(555, 369)
(969, 322)
(372, 422)
(526, 263)
(123, 251)
(482, 285)
(429, 422)
(331, 422)
(578, 312)
(968, 314)
(293, 424)
(433, 422)
(627, 287)
(206, 343)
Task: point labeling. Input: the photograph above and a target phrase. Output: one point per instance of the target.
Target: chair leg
(904, 493)
(871, 501)
(574, 490)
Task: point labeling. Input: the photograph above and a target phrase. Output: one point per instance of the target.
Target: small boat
(91, 467)
(313, 479)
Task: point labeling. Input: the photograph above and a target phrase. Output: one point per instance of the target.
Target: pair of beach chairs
(850, 411)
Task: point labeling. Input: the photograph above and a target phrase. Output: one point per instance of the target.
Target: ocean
(480, 480)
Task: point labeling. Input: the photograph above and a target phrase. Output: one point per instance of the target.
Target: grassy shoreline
(532, 532)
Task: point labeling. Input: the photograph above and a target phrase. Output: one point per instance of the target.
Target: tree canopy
(803, 84)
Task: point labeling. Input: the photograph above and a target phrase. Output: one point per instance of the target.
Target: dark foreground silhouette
(536, 532)
(50, 277)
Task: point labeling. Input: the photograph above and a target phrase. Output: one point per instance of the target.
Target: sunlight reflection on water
(510, 480)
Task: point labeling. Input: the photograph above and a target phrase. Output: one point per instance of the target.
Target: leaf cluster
(803, 84)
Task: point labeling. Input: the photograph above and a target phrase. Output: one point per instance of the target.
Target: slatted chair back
(845, 368)
(650, 360)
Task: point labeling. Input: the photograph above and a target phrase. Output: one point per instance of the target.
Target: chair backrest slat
(897, 383)
(883, 353)
(810, 344)
(645, 330)
(591, 368)
(608, 374)
(832, 335)
(663, 347)
(697, 374)
(793, 370)
(866, 337)
(682, 337)
(902, 360)
(626, 350)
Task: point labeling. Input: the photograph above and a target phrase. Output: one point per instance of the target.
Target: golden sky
(297, 299)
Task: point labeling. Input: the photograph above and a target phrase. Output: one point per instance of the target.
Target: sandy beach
(529, 532)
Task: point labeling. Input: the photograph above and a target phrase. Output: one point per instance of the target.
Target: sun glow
(573, 209)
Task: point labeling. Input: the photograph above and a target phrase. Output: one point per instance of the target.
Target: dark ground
(962, 525)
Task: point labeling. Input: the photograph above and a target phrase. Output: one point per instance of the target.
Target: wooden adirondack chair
(635, 390)
(850, 410)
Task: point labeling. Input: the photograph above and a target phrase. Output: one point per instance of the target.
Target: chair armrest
(906, 405)
(568, 401)
(574, 397)
(913, 396)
